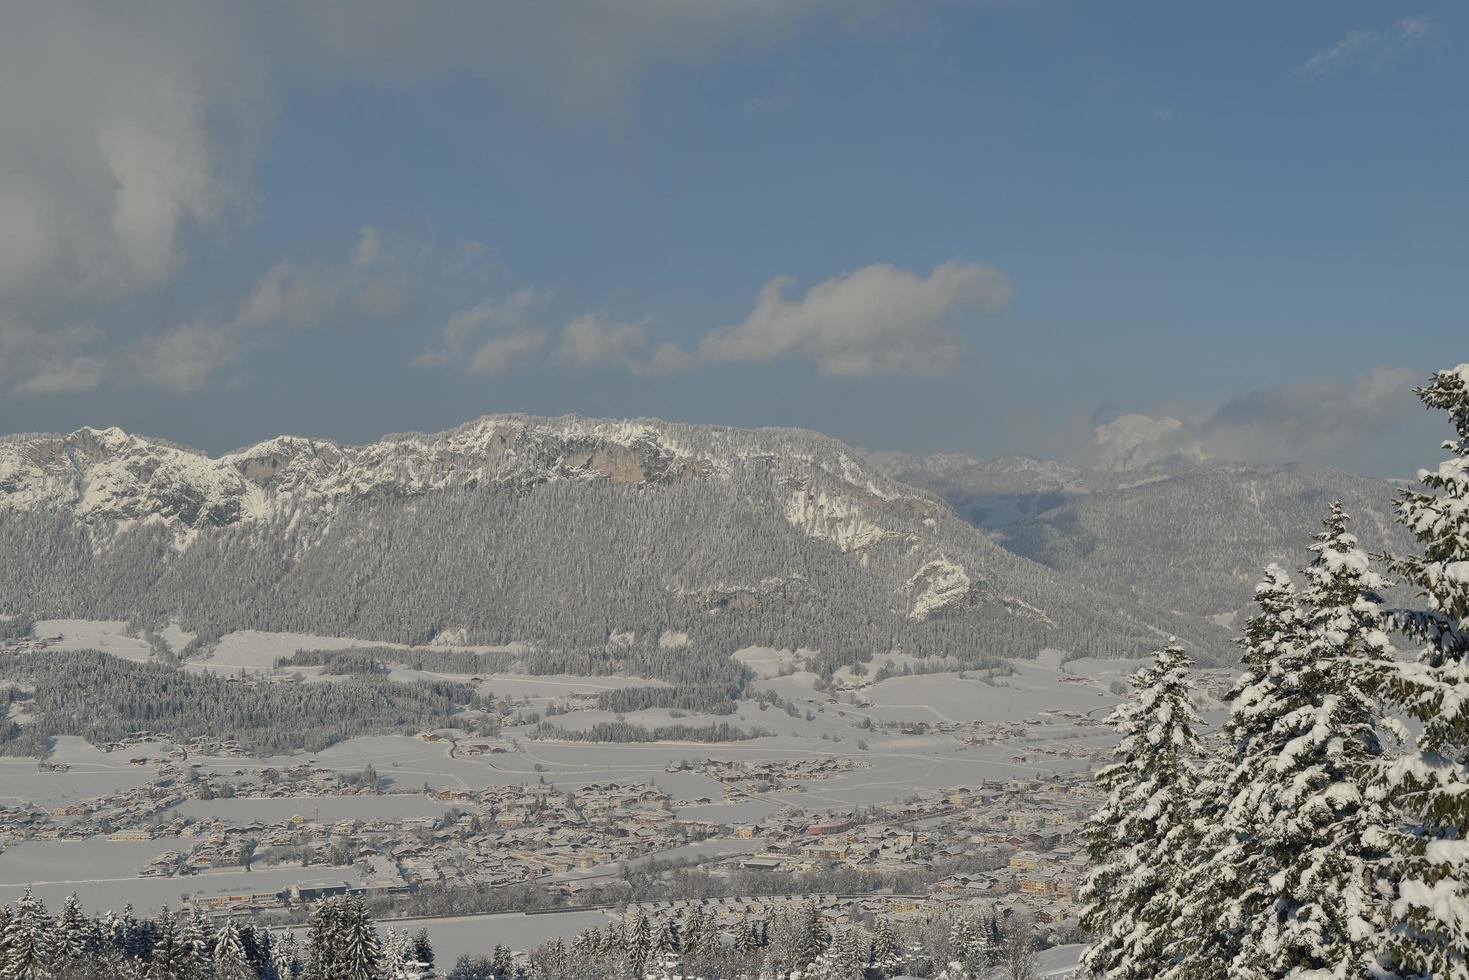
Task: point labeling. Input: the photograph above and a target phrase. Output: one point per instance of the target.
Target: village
(1004, 845)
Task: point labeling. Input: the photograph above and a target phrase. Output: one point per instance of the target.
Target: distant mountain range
(1189, 536)
(638, 540)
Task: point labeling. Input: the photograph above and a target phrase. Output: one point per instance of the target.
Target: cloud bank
(878, 320)
(1306, 421)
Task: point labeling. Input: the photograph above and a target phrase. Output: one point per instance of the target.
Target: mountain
(639, 541)
(1186, 536)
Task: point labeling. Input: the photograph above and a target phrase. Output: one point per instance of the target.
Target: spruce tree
(285, 958)
(1430, 786)
(1331, 829)
(1134, 835)
(170, 959)
(29, 954)
(503, 961)
(423, 951)
(73, 932)
(639, 944)
(359, 954)
(1220, 890)
(323, 942)
(230, 959)
(199, 939)
(1284, 874)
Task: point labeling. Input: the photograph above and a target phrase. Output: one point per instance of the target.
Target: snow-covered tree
(401, 958)
(884, 956)
(199, 937)
(1430, 786)
(28, 949)
(230, 959)
(171, 959)
(359, 956)
(1220, 885)
(1284, 862)
(1328, 832)
(503, 962)
(72, 936)
(1132, 837)
(423, 951)
(285, 957)
(841, 960)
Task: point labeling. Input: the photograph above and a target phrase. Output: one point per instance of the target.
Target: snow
(936, 585)
(839, 520)
(108, 636)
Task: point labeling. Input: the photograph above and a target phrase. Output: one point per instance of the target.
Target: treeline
(685, 667)
(1321, 832)
(799, 943)
(104, 698)
(15, 626)
(706, 699)
(622, 731)
(335, 662)
(342, 943)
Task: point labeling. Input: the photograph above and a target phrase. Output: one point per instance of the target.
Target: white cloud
(368, 285)
(34, 361)
(876, 320)
(290, 296)
(1308, 420)
(491, 336)
(498, 354)
(186, 359)
(1363, 47)
(592, 340)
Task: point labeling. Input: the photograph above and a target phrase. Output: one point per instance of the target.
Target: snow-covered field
(109, 636)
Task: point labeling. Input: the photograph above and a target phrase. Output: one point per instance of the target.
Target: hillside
(1185, 537)
(633, 542)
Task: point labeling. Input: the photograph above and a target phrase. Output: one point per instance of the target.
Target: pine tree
(73, 932)
(1220, 886)
(323, 942)
(29, 954)
(1430, 787)
(229, 956)
(504, 962)
(1138, 830)
(285, 958)
(423, 951)
(811, 937)
(884, 950)
(359, 955)
(199, 940)
(639, 943)
(170, 959)
(1328, 841)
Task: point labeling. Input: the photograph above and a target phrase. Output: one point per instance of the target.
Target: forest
(104, 698)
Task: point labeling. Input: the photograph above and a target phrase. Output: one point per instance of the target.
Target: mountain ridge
(565, 531)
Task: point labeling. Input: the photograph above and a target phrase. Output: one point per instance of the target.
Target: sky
(1061, 228)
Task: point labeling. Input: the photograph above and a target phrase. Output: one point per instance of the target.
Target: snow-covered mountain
(562, 531)
(1186, 535)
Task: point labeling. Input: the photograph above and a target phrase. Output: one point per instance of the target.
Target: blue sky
(976, 227)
